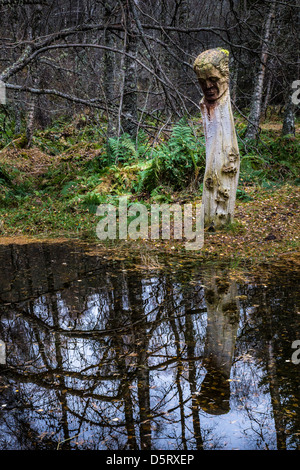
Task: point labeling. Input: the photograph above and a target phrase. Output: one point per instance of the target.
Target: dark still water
(105, 352)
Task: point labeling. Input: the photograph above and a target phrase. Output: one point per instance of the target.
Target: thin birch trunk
(130, 120)
(288, 126)
(109, 71)
(31, 117)
(265, 104)
(256, 102)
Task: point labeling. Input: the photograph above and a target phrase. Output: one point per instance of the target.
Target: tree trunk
(265, 104)
(31, 117)
(109, 71)
(256, 102)
(222, 152)
(288, 126)
(222, 163)
(234, 83)
(18, 119)
(130, 121)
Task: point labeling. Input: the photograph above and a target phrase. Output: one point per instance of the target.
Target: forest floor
(266, 226)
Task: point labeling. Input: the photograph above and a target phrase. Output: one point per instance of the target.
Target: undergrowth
(81, 170)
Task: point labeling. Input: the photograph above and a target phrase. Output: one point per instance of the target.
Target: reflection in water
(221, 298)
(101, 354)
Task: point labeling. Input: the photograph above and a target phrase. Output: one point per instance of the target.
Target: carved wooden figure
(222, 152)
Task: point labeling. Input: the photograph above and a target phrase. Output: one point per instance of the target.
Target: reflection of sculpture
(222, 153)
(222, 323)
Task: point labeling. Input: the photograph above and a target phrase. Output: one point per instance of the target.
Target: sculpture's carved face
(212, 82)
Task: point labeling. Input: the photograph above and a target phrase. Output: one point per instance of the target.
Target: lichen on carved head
(212, 69)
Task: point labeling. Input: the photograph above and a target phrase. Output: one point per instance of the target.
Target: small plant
(271, 159)
(243, 196)
(177, 163)
(90, 201)
(124, 150)
(161, 195)
(5, 177)
(235, 227)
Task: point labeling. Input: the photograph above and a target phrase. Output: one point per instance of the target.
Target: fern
(150, 177)
(178, 163)
(122, 149)
(68, 188)
(5, 177)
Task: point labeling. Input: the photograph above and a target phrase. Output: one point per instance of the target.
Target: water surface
(109, 352)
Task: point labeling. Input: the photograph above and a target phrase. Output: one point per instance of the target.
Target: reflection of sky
(248, 425)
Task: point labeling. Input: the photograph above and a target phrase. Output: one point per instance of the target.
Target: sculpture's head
(212, 69)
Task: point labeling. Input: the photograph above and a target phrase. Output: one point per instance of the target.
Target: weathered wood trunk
(222, 163)
(222, 152)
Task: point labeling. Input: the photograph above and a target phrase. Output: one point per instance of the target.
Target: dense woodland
(110, 83)
(132, 60)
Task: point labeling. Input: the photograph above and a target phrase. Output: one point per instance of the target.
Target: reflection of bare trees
(121, 366)
(270, 325)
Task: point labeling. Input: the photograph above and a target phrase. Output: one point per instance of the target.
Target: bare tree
(132, 60)
(256, 102)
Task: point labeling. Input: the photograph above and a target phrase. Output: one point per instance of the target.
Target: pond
(104, 351)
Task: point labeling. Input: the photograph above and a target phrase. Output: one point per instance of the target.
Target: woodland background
(132, 60)
(102, 100)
